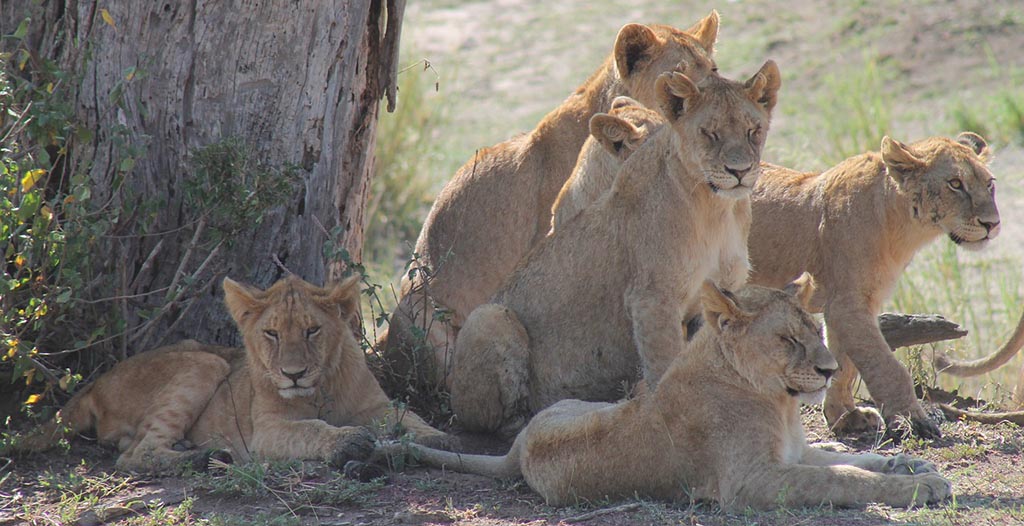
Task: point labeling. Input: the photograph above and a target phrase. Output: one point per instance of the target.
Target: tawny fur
(854, 228)
(722, 425)
(610, 291)
(243, 400)
(498, 205)
(614, 136)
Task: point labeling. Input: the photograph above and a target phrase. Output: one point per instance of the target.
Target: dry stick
(603, 511)
(151, 324)
(953, 413)
(98, 516)
(188, 255)
(146, 265)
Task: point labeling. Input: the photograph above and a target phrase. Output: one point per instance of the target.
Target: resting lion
(855, 227)
(723, 425)
(299, 390)
(611, 289)
(498, 205)
(614, 136)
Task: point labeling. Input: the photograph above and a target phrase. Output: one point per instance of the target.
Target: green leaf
(22, 28)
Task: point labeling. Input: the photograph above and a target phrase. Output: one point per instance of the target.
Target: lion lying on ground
(299, 390)
(611, 289)
(614, 136)
(498, 205)
(723, 425)
(854, 228)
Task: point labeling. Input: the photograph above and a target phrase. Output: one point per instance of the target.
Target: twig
(200, 227)
(146, 265)
(282, 266)
(44, 370)
(99, 516)
(632, 506)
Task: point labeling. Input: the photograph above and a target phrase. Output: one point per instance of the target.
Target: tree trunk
(294, 86)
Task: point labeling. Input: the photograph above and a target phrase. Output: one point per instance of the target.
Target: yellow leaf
(49, 87)
(46, 212)
(63, 383)
(69, 199)
(130, 75)
(33, 399)
(19, 261)
(31, 178)
(29, 375)
(107, 18)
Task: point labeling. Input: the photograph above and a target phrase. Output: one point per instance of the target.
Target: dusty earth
(502, 65)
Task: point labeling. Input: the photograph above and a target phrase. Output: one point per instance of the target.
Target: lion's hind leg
(174, 409)
(490, 372)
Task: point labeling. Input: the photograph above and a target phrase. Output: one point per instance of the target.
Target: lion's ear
(614, 133)
(243, 301)
(763, 87)
(633, 45)
(899, 159)
(706, 31)
(675, 92)
(345, 296)
(803, 289)
(975, 142)
(623, 101)
(719, 306)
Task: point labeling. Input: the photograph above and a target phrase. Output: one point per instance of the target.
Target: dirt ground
(507, 62)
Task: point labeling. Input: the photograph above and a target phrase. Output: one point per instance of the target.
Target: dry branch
(903, 330)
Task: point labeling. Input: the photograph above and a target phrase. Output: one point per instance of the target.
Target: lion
(300, 389)
(497, 206)
(854, 228)
(722, 425)
(614, 136)
(612, 289)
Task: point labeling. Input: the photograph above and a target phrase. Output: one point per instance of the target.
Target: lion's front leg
(853, 331)
(276, 438)
(842, 485)
(900, 464)
(657, 332)
(491, 372)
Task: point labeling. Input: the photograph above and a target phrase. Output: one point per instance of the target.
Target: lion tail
(945, 364)
(76, 416)
(499, 467)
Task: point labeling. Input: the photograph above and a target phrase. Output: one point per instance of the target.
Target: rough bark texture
(904, 330)
(298, 83)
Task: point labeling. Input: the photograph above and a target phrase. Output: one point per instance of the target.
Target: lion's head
(949, 184)
(770, 340)
(641, 52)
(721, 123)
(294, 332)
(625, 127)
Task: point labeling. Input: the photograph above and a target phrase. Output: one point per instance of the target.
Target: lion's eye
(312, 331)
(272, 334)
(712, 136)
(956, 184)
(754, 134)
(992, 184)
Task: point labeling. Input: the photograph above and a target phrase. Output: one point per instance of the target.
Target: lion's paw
(858, 421)
(355, 444)
(931, 488)
(903, 464)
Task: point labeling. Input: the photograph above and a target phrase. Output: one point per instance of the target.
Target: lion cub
(854, 228)
(610, 291)
(497, 206)
(614, 136)
(300, 389)
(723, 425)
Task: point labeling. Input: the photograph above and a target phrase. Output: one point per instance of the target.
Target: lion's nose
(294, 376)
(738, 171)
(989, 225)
(826, 372)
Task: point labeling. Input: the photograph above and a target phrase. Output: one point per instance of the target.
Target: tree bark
(297, 83)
